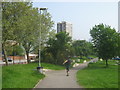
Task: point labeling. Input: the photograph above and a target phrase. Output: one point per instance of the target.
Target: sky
(83, 15)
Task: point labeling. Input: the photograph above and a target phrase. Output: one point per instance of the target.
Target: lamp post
(39, 64)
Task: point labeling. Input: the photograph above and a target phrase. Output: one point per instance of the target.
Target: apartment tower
(64, 26)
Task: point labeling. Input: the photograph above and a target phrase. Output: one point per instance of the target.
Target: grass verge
(97, 76)
(23, 75)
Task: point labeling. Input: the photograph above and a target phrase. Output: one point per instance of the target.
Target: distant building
(64, 26)
(31, 56)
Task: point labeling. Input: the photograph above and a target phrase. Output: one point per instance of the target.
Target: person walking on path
(67, 65)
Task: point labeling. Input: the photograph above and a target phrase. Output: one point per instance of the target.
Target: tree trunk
(5, 55)
(106, 63)
(27, 53)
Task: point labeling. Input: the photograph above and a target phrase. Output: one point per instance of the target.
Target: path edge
(38, 82)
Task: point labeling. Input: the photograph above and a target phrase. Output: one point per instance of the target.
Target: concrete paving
(58, 78)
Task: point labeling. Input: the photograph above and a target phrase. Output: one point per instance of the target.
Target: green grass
(98, 76)
(23, 75)
(53, 67)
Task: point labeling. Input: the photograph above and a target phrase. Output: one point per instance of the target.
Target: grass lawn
(53, 67)
(97, 76)
(23, 75)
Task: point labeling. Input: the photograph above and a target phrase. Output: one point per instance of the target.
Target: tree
(118, 44)
(46, 24)
(27, 31)
(15, 50)
(1, 29)
(21, 23)
(30, 27)
(11, 11)
(58, 47)
(104, 40)
(82, 48)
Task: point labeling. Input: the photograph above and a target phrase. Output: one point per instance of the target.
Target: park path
(58, 78)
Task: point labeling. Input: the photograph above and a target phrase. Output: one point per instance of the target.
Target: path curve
(58, 78)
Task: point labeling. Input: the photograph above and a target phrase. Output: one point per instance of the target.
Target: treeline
(62, 47)
(21, 27)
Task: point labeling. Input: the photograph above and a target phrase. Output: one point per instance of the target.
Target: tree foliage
(23, 23)
(15, 50)
(11, 11)
(104, 40)
(58, 47)
(82, 48)
(118, 46)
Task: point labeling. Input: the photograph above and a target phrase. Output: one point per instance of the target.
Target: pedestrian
(67, 65)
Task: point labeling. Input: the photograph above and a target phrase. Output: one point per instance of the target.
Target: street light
(43, 8)
(39, 65)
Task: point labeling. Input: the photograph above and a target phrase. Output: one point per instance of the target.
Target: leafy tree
(45, 30)
(82, 48)
(1, 39)
(104, 40)
(118, 45)
(15, 50)
(27, 31)
(11, 11)
(58, 47)
(21, 23)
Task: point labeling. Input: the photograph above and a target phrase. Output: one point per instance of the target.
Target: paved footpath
(58, 78)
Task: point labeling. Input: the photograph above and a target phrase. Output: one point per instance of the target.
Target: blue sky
(83, 15)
